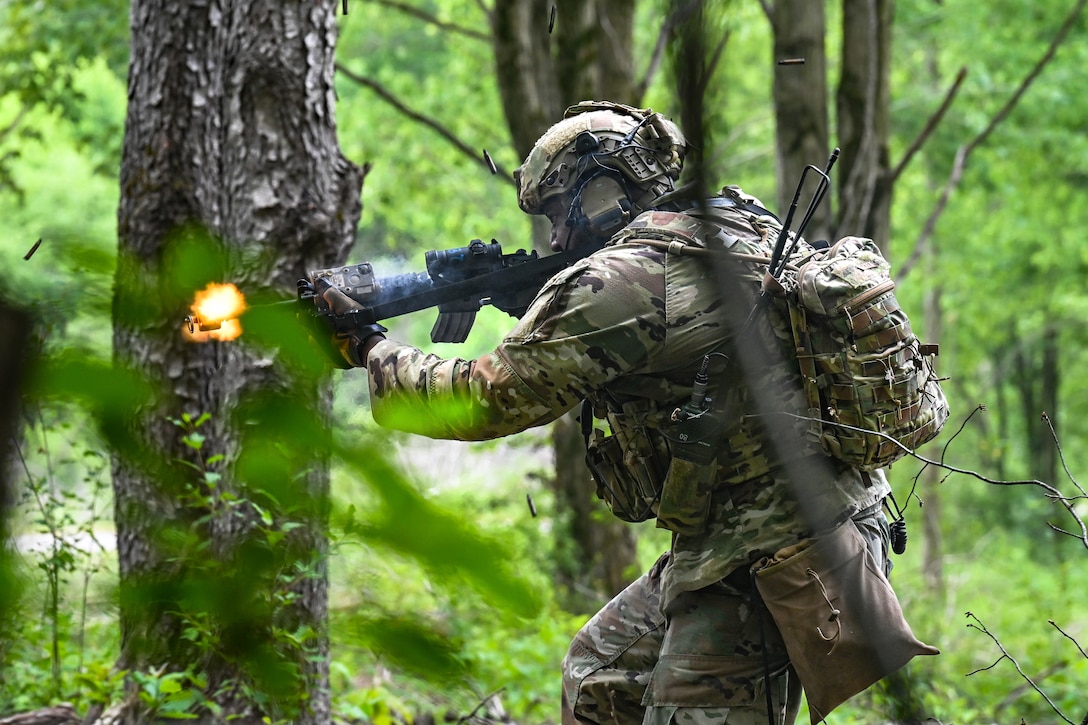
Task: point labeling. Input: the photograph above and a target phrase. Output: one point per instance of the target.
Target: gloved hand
(338, 323)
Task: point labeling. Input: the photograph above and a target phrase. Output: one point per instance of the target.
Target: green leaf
(441, 540)
(170, 684)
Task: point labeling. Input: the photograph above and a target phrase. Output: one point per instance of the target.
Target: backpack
(870, 386)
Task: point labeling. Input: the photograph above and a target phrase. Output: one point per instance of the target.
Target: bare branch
(958, 165)
(1017, 692)
(1055, 626)
(481, 158)
(667, 28)
(489, 13)
(1067, 502)
(931, 124)
(965, 151)
(1061, 454)
(482, 704)
(655, 62)
(1051, 492)
(433, 19)
(980, 408)
(715, 58)
(1005, 655)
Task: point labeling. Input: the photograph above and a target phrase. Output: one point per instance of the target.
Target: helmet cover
(644, 148)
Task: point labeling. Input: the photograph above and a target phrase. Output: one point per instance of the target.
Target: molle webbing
(745, 450)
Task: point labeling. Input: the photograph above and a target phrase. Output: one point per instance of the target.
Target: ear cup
(605, 208)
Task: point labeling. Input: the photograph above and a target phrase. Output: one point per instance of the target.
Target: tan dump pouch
(840, 619)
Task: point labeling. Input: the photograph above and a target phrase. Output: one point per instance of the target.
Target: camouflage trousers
(702, 659)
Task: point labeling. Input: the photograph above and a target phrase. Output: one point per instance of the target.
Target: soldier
(678, 355)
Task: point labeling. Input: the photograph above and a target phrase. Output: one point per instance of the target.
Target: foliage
(518, 657)
(232, 606)
(421, 193)
(67, 279)
(1005, 264)
(43, 51)
(58, 625)
(67, 516)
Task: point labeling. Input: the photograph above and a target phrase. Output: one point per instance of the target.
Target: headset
(601, 202)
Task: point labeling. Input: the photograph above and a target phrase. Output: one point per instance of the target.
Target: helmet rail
(642, 151)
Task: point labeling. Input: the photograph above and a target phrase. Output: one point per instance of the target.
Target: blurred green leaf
(439, 539)
(410, 644)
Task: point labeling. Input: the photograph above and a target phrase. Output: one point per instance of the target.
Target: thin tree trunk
(526, 72)
(800, 104)
(230, 146)
(932, 541)
(1025, 382)
(585, 582)
(15, 335)
(864, 173)
(543, 67)
(1050, 374)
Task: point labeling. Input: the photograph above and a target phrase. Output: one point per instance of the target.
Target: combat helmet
(609, 160)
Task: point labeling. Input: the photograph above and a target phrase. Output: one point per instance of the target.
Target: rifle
(457, 281)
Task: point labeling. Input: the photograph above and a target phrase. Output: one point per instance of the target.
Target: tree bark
(15, 336)
(932, 541)
(230, 143)
(544, 66)
(800, 106)
(1049, 393)
(864, 174)
(527, 73)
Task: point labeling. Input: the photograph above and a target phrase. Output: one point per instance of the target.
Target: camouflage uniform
(627, 328)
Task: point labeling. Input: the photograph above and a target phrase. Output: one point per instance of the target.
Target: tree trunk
(1049, 385)
(527, 74)
(543, 67)
(15, 329)
(864, 174)
(800, 106)
(230, 147)
(1025, 382)
(587, 527)
(15, 336)
(932, 541)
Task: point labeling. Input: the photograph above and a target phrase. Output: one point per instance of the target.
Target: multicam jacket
(628, 328)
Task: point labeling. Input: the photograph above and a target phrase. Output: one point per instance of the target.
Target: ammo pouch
(639, 479)
(635, 488)
(626, 472)
(841, 622)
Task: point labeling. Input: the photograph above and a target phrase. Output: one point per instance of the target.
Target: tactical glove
(339, 324)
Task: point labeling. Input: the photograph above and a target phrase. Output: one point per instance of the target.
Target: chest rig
(664, 458)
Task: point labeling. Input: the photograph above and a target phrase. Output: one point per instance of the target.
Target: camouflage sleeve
(602, 318)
